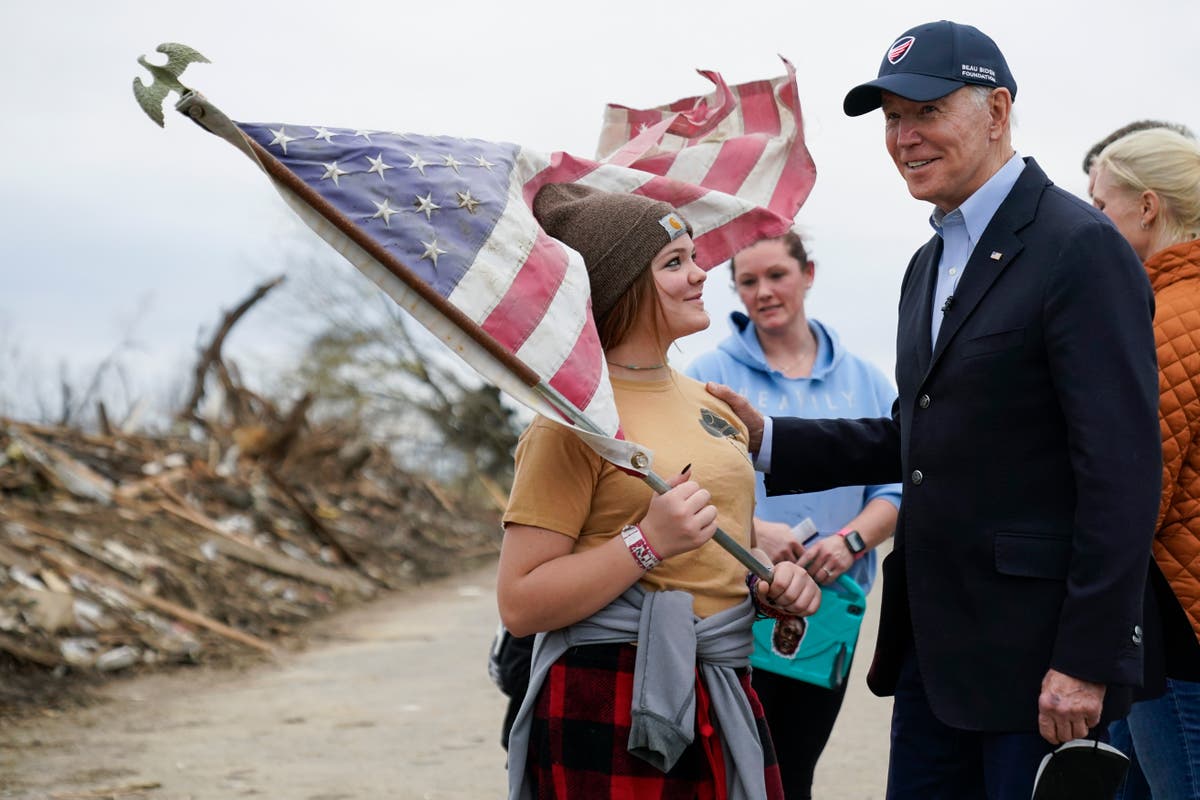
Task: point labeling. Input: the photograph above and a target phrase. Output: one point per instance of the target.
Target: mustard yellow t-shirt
(563, 486)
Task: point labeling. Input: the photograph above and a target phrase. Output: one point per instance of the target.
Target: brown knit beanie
(617, 234)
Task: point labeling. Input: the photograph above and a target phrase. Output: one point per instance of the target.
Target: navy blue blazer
(1027, 438)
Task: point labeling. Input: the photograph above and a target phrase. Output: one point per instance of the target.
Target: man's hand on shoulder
(747, 413)
(1068, 707)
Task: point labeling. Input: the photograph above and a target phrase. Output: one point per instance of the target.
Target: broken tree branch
(319, 528)
(166, 606)
(213, 352)
(273, 562)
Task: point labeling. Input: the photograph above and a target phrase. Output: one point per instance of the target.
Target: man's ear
(1000, 111)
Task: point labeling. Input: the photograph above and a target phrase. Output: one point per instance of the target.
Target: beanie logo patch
(899, 50)
(673, 225)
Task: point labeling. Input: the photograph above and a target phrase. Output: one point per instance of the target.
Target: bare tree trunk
(65, 395)
(102, 419)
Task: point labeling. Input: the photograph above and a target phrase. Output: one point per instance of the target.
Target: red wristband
(639, 547)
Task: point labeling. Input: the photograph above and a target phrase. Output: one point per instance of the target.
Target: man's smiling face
(943, 147)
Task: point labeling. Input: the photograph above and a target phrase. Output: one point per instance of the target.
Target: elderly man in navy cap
(1026, 434)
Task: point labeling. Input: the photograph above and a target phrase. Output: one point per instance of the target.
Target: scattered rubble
(122, 552)
(125, 552)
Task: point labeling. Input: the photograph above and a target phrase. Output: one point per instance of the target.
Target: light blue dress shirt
(961, 230)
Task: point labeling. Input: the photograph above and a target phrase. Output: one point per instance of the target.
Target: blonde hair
(1166, 163)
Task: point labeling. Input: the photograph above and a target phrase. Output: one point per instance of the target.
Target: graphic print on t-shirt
(716, 425)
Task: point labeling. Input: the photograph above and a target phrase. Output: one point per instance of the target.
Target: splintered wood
(123, 552)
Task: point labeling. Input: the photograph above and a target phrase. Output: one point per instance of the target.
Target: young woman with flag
(640, 682)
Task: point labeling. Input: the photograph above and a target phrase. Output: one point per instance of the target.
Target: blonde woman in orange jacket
(1148, 184)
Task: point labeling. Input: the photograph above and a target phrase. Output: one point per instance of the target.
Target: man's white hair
(979, 94)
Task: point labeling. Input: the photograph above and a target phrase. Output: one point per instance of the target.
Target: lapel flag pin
(997, 255)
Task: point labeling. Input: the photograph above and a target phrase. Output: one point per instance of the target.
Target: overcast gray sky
(111, 227)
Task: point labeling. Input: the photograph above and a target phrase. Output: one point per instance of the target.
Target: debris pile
(122, 551)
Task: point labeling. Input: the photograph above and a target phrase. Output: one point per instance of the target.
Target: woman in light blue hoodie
(787, 364)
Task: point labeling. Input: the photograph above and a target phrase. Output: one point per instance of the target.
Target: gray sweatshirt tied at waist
(671, 640)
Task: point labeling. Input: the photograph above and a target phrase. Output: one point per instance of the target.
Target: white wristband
(639, 548)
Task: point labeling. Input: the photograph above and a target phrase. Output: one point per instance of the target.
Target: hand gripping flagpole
(401, 283)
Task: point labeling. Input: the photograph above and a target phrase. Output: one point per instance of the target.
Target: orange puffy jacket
(1175, 277)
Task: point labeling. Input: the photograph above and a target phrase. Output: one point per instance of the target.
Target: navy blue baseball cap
(931, 61)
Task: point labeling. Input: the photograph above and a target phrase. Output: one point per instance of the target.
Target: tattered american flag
(746, 140)
(445, 226)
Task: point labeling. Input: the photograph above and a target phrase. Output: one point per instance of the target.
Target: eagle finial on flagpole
(166, 78)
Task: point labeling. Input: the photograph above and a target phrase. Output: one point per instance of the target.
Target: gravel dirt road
(390, 700)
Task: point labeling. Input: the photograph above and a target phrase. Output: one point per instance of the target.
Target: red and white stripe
(746, 140)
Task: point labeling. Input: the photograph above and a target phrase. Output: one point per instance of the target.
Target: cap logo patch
(673, 225)
(899, 50)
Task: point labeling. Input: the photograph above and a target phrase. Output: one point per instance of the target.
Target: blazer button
(923, 401)
(1137, 634)
(917, 477)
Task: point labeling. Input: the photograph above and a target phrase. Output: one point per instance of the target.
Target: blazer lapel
(996, 249)
(915, 309)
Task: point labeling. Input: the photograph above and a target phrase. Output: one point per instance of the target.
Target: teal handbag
(816, 649)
